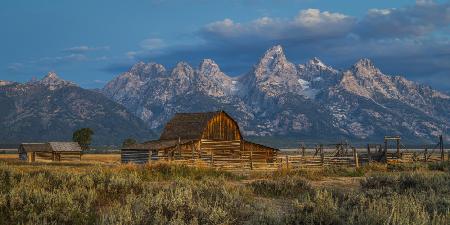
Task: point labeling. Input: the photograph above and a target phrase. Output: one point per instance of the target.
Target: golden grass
(102, 158)
(86, 158)
(9, 156)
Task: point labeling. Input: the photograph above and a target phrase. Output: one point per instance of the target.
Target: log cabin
(54, 151)
(212, 137)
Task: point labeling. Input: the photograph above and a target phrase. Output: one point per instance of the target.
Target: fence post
(441, 146)
(354, 156)
(369, 157)
(287, 162)
(251, 160)
(322, 156)
(356, 160)
(212, 159)
(193, 148)
(425, 155)
(385, 150)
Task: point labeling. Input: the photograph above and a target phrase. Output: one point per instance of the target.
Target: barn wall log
(135, 156)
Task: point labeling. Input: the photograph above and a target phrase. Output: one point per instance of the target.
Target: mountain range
(51, 109)
(276, 100)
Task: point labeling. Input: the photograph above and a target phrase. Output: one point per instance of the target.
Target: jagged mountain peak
(209, 67)
(182, 70)
(365, 65)
(52, 75)
(277, 97)
(274, 63)
(273, 56)
(182, 66)
(276, 50)
(53, 81)
(147, 69)
(137, 66)
(316, 62)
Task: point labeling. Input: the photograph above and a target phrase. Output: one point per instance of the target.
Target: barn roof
(35, 147)
(157, 144)
(187, 125)
(65, 146)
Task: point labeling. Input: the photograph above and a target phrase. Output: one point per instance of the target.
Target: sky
(90, 42)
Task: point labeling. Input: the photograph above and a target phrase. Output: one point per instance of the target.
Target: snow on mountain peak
(277, 97)
(273, 55)
(316, 66)
(317, 62)
(365, 64)
(274, 63)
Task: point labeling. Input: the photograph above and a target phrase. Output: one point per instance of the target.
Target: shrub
(441, 166)
(281, 187)
(177, 194)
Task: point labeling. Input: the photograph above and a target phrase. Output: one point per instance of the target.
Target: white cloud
(15, 67)
(309, 23)
(379, 12)
(62, 59)
(131, 54)
(424, 2)
(415, 21)
(152, 44)
(313, 17)
(84, 48)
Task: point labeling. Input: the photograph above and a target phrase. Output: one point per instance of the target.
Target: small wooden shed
(55, 151)
(208, 136)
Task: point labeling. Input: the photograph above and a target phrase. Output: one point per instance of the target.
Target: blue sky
(90, 42)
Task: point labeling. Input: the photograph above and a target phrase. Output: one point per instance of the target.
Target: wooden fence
(297, 160)
(281, 162)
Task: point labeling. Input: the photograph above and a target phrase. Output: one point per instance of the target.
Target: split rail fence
(297, 160)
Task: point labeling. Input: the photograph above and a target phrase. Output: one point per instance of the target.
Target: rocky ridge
(279, 98)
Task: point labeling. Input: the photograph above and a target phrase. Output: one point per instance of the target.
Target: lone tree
(84, 137)
(128, 142)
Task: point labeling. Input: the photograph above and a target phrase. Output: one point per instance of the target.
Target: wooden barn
(212, 137)
(55, 151)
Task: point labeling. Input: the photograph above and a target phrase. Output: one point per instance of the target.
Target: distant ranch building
(55, 151)
(213, 137)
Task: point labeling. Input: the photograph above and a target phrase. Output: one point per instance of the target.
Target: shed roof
(260, 145)
(51, 146)
(187, 125)
(35, 147)
(65, 146)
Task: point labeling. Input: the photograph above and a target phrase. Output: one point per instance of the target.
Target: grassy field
(86, 158)
(101, 191)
